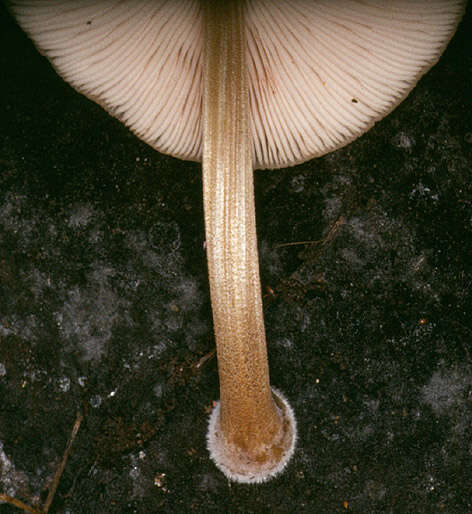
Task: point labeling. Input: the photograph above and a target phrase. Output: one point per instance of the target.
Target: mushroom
(242, 85)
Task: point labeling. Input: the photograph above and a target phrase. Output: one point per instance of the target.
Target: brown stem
(249, 418)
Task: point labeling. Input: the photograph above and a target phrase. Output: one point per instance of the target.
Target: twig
(298, 243)
(205, 358)
(17, 503)
(52, 491)
(62, 465)
(329, 236)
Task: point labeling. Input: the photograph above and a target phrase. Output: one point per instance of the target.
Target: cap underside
(321, 72)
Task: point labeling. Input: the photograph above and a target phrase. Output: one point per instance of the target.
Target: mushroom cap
(321, 72)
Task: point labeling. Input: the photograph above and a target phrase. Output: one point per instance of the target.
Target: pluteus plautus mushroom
(241, 85)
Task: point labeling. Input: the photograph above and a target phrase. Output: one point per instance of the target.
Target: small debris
(160, 481)
(210, 407)
(204, 359)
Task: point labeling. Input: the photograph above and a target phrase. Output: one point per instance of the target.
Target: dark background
(104, 307)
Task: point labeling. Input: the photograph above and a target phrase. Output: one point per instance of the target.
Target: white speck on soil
(403, 141)
(11, 480)
(89, 313)
(447, 389)
(64, 384)
(95, 401)
(80, 216)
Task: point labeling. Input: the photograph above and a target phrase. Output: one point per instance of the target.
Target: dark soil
(104, 308)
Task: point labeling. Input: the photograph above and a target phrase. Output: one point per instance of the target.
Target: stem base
(240, 467)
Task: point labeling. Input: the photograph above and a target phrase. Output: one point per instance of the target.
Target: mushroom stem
(252, 432)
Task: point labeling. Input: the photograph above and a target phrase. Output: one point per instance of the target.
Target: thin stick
(298, 243)
(204, 359)
(329, 237)
(19, 504)
(62, 465)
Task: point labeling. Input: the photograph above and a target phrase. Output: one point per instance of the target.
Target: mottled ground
(104, 308)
